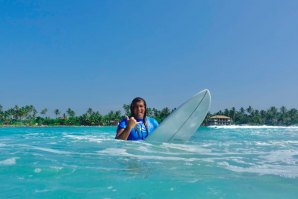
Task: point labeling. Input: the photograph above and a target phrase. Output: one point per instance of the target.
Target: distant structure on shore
(219, 120)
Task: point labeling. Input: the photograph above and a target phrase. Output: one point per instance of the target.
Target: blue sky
(101, 54)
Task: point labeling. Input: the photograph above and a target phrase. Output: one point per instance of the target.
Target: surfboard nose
(206, 90)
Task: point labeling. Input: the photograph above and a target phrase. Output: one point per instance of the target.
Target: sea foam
(253, 127)
(9, 161)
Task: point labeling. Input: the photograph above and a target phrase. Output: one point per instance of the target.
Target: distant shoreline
(48, 126)
(84, 126)
(250, 126)
(29, 116)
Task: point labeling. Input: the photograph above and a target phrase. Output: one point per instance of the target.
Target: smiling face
(139, 109)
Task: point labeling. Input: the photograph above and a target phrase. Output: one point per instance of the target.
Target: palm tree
(272, 115)
(44, 111)
(117, 115)
(110, 117)
(283, 109)
(29, 112)
(95, 118)
(33, 110)
(256, 117)
(293, 114)
(232, 113)
(57, 112)
(24, 112)
(249, 110)
(263, 114)
(242, 110)
(283, 116)
(155, 113)
(226, 112)
(70, 112)
(164, 113)
(89, 111)
(219, 113)
(1, 114)
(126, 108)
(149, 112)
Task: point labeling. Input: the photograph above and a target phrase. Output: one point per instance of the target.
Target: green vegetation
(29, 116)
(273, 116)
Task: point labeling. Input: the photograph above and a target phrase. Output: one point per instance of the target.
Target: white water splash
(253, 127)
(9, 161)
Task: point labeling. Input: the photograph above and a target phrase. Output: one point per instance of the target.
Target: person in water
(138, 126)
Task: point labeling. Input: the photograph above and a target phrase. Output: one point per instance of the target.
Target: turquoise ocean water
(87, 162)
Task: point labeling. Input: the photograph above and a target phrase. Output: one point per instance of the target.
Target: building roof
(220, 117)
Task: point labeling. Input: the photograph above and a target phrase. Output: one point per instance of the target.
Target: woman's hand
(131, 122)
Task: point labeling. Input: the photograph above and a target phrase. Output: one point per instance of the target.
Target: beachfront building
(219, 120)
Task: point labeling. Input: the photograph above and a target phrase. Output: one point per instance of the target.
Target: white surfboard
(184, 121)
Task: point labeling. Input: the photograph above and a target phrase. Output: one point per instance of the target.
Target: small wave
(37, 170)
(41, 190)
(51, 150)
(57, 168)
(187, 148)
(114, 151)
(124, 153)
(278, 162)
(265, 169)
(88, 138)
(282, 156)
(284, 143)
(2, 145)
(253, 127)
(9, 161)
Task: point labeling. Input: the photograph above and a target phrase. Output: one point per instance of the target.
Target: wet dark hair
(132, 105)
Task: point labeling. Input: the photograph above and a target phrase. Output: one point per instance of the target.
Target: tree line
(29, 116)
(249, 116)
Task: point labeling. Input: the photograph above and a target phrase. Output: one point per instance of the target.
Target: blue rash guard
(139, 132)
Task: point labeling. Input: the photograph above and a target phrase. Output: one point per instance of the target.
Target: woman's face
(139, 110)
